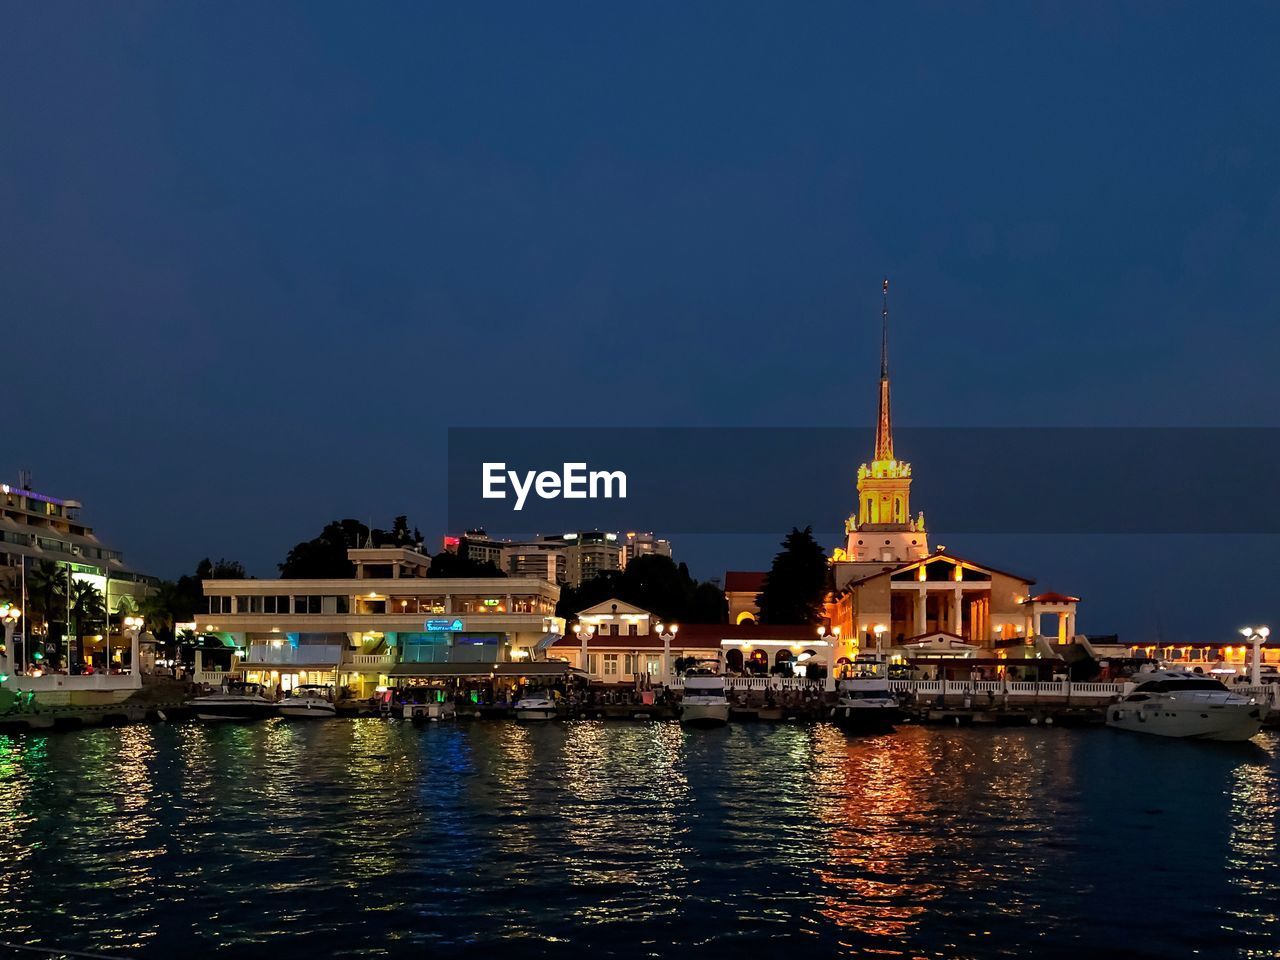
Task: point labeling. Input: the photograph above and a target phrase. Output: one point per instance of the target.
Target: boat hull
(535, 714)
(704, 714)
(1231, 722)
(219, 710)
(318, 710)
(425, 712)
(866, 719)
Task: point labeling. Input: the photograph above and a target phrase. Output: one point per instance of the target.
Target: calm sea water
(373, 839)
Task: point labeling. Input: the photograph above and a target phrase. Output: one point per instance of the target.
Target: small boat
(539, 705)
(866, 705)
(1177, 703)
(309, 701)
(235, 700)
(704, 703)
(426, 703)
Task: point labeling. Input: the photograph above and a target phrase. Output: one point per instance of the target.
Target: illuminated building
(569, 558)
(391, 620)
(618, 642)
(893, 593)
(741, 587)
(36, 528)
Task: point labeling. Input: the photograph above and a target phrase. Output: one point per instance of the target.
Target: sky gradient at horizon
(256, 259)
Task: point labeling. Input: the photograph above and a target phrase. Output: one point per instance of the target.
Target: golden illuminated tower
(883, 528)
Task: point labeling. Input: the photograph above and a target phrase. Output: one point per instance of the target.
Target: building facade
(352, 632)
(615, 642)
(565, 558)
(43, 536)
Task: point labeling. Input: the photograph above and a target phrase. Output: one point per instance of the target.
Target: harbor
(764, 700)
(216, 838)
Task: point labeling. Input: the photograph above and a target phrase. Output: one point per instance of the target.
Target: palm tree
(87, 611)
(158, 610)
(47, 594)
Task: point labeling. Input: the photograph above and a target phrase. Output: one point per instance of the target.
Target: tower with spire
(882, 528)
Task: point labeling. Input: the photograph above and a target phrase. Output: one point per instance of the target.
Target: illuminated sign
(491, 603)
(443, 625)
(31, 495)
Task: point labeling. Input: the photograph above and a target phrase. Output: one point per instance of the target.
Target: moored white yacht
(536, 705)
(309, 701)
(703, 703)
(866, 704)
(236, 700)
(1177, 703)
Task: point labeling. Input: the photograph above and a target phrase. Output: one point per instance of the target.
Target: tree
(654, 583)
(797, 582)
(446, 564)
(224, 569)
(325, 557)
(47, 594)
(88, 614)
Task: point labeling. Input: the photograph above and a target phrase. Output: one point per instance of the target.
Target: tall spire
(884, 428)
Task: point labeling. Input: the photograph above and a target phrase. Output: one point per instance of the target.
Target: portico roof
(936, 555)
(1052, 597)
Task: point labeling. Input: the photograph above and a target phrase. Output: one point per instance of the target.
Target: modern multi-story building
(391, 621)
(565, 558)
(642, 545)
(41, 534)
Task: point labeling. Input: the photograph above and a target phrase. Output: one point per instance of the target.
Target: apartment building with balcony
(566, 558)
(390, 619)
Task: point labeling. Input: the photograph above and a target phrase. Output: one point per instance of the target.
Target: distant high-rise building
(642, 544)
(569, 558)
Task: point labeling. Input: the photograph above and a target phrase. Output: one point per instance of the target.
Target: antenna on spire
(884, 333)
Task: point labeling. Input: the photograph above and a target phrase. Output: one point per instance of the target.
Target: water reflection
(631, 839)
(1253, 911)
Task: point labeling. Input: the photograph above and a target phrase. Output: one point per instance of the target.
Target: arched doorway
(733, 661)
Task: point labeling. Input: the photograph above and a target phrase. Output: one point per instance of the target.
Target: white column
(135, 659)
(922, 610)
(7, 658)
(582, 656)
(1255, 670)
(1071, 625)
(957, 615)
(666, 658)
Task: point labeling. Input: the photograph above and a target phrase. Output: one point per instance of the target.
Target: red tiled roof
(1052, 597)
(743, 581)
(698, 635)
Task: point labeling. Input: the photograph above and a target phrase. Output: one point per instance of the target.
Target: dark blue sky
(255, 258)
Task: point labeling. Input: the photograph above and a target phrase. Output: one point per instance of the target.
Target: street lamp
(584, 632)
(667, 633)
(132, 627)
(1256, 636)
(10, 614)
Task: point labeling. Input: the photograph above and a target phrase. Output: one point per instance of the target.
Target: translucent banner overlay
(766, 480)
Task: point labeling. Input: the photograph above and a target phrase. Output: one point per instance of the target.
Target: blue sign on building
(443, 625)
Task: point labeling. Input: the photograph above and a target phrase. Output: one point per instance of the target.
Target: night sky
(256, 258)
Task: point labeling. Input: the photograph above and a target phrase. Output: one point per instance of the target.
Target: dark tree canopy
(797, 582)
(446, 564)
(325, 556)
(654, 583)
(224, 569)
